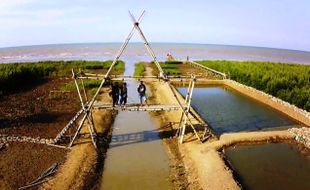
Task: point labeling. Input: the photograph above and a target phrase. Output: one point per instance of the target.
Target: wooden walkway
(179, 78)
(136, 107)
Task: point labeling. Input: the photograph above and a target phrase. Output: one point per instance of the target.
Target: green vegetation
(139, 69)
(15, 76)
(171, 67)
(90, 85)
(289, 82)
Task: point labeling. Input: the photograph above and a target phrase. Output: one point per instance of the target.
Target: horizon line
(138, 42)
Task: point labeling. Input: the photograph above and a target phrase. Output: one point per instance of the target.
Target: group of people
(119, 93)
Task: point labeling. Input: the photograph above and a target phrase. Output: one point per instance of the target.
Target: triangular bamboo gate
(87, 105)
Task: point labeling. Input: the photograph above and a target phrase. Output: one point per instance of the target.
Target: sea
(136, 52)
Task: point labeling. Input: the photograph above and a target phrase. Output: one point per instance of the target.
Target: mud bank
(84, 164)
(198, 169)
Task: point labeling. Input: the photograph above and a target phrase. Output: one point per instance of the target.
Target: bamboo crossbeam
(146, 78)
(120, 78)
(135, 107)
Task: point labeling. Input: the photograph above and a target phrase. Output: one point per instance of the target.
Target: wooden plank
(135, 107)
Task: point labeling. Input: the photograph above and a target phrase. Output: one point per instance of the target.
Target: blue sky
(265, 23)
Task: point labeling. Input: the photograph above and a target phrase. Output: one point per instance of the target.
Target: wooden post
(147, 45)
(90, 124)
(183, 110)
(85, 95)
(78, 130)
(192, 83)
(186, 101)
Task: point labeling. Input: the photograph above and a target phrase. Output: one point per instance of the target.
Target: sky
(263, 23)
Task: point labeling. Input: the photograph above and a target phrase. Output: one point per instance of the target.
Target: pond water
(226, 110)
(271, 166)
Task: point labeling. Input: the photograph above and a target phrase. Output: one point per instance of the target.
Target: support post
(184, 120)
(85, 95)
(186, 101)
(148, 47)
(183, 110)
(90, 123)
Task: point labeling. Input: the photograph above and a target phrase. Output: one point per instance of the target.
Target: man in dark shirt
(142, 93)
(123, 100)
(114, 93)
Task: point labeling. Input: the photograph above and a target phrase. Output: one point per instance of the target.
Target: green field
(169, 67)
(139, 69)
(289, 82)
(14, 76)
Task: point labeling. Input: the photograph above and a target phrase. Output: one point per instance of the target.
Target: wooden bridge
(85, 114)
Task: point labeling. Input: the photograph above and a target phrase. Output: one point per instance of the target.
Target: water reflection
(226, 110)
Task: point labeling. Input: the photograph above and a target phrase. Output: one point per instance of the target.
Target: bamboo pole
(83, 87)
(183, 110)
(147, 45)
(90, 104)
(182, 116)
(187, 109)
(86, 112)
(78, 130)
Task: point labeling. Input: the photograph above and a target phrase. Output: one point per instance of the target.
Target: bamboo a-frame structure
(88, 105)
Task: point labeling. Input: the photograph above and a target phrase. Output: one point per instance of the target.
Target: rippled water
(136, 51)
(271, 166)
(226, 110)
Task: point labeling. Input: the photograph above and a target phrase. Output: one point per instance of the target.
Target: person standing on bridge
(123, 89)
(142, 93)
(114, 93)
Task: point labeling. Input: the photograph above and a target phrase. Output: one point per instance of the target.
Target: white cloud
(7, 4)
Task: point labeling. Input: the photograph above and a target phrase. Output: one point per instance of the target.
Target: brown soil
(84, 164)
(39, 113)
(33, 113)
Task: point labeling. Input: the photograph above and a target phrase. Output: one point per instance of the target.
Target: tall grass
(139, 69)
(14, 76)
(171, 67)
(290, 82)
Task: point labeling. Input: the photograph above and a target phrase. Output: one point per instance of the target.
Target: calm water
(271, 166)
(136, 158)
(226, 110)
(136, 51)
